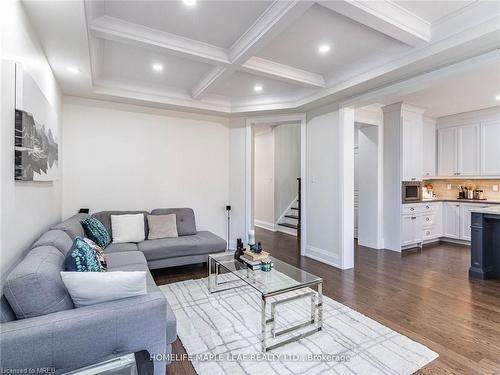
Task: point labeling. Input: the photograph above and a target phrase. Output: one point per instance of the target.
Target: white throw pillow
(89, 288)
(128, 228)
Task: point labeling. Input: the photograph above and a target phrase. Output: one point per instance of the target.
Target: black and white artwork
(36, 133)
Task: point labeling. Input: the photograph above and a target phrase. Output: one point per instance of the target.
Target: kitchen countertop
(488, 210)
(487, 201)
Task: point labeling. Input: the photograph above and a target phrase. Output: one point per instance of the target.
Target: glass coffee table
(282, 278)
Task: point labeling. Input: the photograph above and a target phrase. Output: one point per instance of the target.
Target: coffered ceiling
(246, 56)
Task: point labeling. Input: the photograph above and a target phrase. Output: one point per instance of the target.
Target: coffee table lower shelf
(315, 301)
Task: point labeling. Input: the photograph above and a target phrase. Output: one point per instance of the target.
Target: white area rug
(227, 324)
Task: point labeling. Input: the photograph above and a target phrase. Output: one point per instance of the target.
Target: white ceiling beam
(285, 73)
(114, 29)
(117, 30)
(387, 17)
(274, 20)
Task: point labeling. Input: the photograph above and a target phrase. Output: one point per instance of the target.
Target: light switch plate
(495, 187)
(448, 186)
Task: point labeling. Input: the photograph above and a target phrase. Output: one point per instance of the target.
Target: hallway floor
(426, 296)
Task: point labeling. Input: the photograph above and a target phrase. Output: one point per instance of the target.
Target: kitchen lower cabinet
(411, 226)
(465, 219)
(451, 220)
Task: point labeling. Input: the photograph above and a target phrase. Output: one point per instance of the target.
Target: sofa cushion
(200, 243)
(34, 287)
(96, 231)
(186, 224)
(72, 226)
(105, 218)
(7, 314)
(57, 238)
(124, 259)
(128, 228)
(120, 247)
(82, 258)
(162, 226)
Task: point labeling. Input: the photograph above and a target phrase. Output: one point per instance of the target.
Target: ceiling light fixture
(157, 67)
(257, 88)
(324, 48)
(189, 3)
(73, 69)
(497, 97)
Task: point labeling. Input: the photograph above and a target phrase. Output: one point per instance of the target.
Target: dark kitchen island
(485, 243)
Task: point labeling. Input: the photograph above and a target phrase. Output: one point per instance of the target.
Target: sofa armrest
(74, 338)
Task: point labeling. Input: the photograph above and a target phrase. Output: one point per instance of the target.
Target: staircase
(290, 222)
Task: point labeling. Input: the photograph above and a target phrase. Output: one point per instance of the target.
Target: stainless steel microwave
(411, 191)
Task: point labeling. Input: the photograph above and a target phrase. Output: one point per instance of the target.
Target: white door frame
(249, 170)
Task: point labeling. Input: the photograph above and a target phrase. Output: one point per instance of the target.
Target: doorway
(275, 163)
(368, 197)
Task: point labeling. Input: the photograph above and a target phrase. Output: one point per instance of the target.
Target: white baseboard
(265, 225)
(322, 256)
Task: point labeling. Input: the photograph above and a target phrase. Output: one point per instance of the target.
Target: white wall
(368, 176)
(330, 188)
(125, 157)
(237, 180)
(27, 208)
(322, 207)
(264, 183)
(287, 166)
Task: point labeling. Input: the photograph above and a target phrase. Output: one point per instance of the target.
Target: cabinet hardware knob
(413, 217)
(427, 206)
(427, 219)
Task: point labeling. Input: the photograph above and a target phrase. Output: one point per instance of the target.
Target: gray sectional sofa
(40, 326)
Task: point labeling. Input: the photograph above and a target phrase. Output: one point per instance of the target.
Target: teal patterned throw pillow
(96, 231)
(82, 258)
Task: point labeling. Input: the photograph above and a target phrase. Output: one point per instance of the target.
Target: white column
(346, 193)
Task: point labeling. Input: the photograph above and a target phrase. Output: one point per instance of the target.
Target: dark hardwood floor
(426, 296)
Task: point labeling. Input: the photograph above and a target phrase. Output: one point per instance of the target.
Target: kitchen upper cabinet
(468, 150)
(490, 148)
(451, 220)
(458, 151)
(447, 152)
(429, 148)
(411, 146)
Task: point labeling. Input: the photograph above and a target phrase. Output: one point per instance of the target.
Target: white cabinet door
(447, 152)
(429, 148)
(465, 219)
(490, 150)
(411, 146)
(418, 232)
(407, 230)
(451, 220)
(468, 143)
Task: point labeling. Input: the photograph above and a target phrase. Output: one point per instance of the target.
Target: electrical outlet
(495, 187)
(448, 186)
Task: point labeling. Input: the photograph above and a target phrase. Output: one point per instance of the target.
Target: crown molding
(387, 17)
(117, 30)
(283, 72)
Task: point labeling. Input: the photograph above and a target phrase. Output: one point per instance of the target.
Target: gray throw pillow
(162, 226)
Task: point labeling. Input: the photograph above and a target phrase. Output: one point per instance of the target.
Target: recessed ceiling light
(73, 69)
(324, 48)
(497, 97)
(189, 3)
(157, 67)
(257, 88)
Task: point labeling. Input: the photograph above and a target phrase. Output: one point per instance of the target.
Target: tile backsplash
(440, 187)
